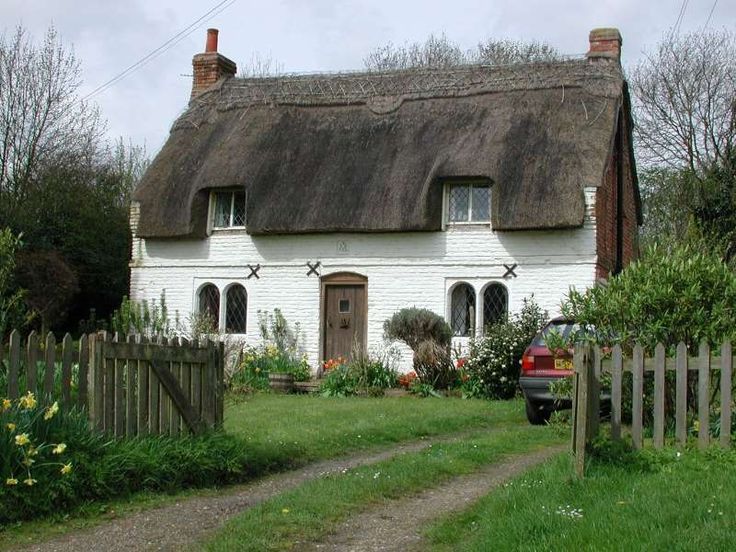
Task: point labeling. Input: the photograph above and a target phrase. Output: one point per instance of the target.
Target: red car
(539, 368)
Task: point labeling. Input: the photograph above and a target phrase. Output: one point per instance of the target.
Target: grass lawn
(316, 507)
(651, 501)
(313, 427)
(286, 430)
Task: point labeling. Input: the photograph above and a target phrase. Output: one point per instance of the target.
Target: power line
(170, 43)
(715, 3)
(683, 7)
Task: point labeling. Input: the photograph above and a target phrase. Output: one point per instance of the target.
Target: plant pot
(281, 383)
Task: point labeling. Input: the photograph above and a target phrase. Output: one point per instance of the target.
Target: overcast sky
(312, 35)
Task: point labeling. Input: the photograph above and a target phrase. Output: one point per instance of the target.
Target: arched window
(495, 304)
(209, 304)
(462, 309)
(236, 309)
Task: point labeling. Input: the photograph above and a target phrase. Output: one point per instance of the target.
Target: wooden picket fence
(129, 386)
(590, 365)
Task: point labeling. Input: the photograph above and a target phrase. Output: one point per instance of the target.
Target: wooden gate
(167, 387)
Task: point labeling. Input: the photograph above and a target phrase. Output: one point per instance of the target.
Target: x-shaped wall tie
(510, 271)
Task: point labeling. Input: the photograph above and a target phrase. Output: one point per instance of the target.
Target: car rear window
(563, 328)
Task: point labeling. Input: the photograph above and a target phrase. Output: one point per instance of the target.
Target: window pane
(481, 204)
(223, 202)
(209, 305)
(463, 299)
(459, 203)
(236, 309)
(495, 304)
(239, 209)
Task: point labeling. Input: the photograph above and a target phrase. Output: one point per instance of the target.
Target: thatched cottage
(343, 198)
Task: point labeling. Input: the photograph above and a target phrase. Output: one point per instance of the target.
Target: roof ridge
(369, 87)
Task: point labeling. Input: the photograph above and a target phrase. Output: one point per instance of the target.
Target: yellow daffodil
(10, 426)
(50, 411)
(59, 449)
(285, 511)
(11, 481)
(30, 481)
(32, 451)
(22, 439)
(28, 462)
(66, 469)
(7, 403)
(28, 401)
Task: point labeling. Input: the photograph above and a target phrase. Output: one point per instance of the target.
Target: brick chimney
(605, 44)
(210, 66)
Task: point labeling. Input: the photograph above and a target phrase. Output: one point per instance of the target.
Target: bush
(51, 461)
(362, 376)
(279, 353)
(670, 295)
(492, 367)
(143, 318)
(429, 337)
(414, 326)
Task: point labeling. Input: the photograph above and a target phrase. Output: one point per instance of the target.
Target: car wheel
(537, 413)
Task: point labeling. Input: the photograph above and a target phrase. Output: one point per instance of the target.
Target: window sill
(226, 229)
(459, 226)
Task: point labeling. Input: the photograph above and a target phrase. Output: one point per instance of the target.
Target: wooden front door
(343, 319)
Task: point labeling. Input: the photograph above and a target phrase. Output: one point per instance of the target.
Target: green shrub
(279, 353)
(143, 318)
(492, 367)
(13, 311)
(99, 468)
(363, 376)
(429, 337)
(413, 326)
(670, 295)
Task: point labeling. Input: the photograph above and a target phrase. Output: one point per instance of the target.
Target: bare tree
(439, 51)
(261, 67)
(684, 101)
(506, 52)
(41, 115)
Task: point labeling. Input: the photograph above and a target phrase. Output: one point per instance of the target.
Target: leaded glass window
(469, 203)
(229, 209)
(495, 304)
(236, 309)
(209, 304)
(462, 310)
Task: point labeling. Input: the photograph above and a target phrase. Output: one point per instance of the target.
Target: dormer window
(468, 203)
(228, 209)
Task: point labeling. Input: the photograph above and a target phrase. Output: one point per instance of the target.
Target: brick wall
(606, 206)
(208, 69)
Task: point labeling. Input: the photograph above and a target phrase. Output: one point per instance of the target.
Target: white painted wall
(403, 270)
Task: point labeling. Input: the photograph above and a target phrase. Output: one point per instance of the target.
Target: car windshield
(562, 327)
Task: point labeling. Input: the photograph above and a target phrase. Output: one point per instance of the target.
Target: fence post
(96, 380)
(594, 396)
(703, 394)
(659, 369)
(726, 370)
(637, 399)
(581, 404)
(616, 388)
(681, 395)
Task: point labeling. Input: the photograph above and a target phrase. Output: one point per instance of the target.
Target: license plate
(563, 364)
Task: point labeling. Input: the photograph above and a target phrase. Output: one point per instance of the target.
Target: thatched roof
(368, 152)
